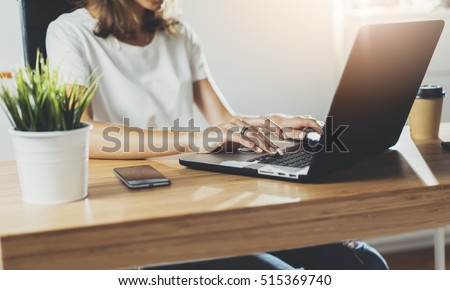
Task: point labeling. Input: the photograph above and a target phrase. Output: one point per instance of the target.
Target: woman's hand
(255, 133)
(250, 132)
(297, 127)
(215, 110)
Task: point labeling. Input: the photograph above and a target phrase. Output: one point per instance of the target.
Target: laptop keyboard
(297, 159)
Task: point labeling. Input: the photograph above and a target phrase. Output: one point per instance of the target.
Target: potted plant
(51, 143)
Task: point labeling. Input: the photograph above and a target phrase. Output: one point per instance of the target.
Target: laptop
(377, 89)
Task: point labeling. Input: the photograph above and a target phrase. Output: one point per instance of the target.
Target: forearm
(113, 141)
(211, 103)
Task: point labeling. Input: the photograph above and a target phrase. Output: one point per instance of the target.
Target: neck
(138, 10)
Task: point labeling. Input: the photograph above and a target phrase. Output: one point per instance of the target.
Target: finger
(265, 131)
(267, 126)
(303, 123)
(263, 142)
(307, 117)
(272, 128)
(246, 142)
(231, 131)
(255, 136)
(314, 124)
(296, 134)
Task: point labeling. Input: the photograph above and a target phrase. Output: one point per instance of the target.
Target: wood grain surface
(206, 215)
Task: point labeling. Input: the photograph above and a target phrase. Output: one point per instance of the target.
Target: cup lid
(431, 92)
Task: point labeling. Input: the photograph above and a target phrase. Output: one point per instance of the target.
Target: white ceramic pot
(53, 166)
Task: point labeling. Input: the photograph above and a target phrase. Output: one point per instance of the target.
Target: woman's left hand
(297, 127)
(292, 127)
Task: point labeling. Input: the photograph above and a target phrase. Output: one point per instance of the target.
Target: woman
(153, 72)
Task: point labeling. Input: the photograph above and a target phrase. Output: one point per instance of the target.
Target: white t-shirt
(150, 85)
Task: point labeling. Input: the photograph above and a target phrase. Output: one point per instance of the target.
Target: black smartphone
(142, 176)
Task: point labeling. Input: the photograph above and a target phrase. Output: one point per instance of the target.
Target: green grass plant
(40, 102)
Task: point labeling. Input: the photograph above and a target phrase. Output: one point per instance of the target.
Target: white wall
(10, 35)
(268, 56)
(10, 56)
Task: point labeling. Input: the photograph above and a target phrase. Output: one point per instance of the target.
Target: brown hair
(116, 18)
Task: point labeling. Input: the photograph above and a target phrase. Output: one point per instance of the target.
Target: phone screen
(141, 176)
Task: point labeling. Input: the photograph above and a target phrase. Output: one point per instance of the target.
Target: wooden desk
(206, 215)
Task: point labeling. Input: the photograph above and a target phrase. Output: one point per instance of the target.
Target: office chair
(35, 16)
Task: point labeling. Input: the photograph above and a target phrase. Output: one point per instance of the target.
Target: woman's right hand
(238, 131)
